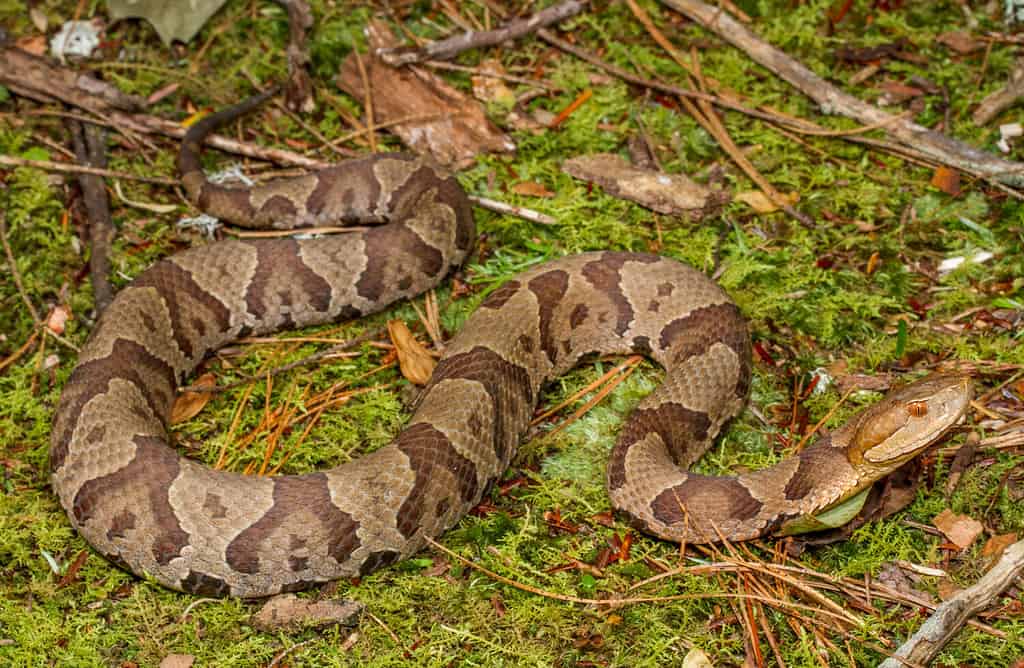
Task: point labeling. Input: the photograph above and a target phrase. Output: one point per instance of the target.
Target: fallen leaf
(36, 45)
(759, 202)
(290, 612)
(188, 404)
(57, 319)
(177, 661)
(947, 180)
(961, 530)
(429, 115)
(531, 189)
(894, 92)
(995, 545)
(171, 19)
(414, 360)
(38, 19)
(960, 41)
(654, 189)
(696, 658)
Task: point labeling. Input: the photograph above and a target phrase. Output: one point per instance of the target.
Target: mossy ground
(807, 293)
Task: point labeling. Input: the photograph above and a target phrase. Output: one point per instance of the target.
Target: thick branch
(514, 29)
(935, 145)
(949, 618)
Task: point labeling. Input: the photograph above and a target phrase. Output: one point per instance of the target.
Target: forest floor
(882, 283)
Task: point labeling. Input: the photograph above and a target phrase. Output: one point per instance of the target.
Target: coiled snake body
(213, 532)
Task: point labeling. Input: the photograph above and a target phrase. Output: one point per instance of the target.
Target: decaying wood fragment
(656, 190)
(457, 129)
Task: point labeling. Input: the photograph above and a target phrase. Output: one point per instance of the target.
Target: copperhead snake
(212, 532)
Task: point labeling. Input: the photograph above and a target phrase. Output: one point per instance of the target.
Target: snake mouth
(912, 418)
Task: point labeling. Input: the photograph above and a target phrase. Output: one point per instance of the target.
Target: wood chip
(664, 193)
(456, 128)
(289, 612)
(961, 530)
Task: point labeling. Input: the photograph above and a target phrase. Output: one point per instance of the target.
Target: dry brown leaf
(430, 116)
(177, 661)
(39, 19)
(188, 404)
(651, 188)
(290, 612)
(35, 45)
(961, 530)
(414, 360)
(531, 189)
(57, 319)
(894, 92)
(995, 545)
(947, 180)
(760, 202)
(960, 41)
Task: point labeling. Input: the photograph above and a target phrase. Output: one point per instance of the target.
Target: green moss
(807, 293)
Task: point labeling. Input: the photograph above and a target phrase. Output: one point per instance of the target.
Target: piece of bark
(289, 612)
(949, 618)
(934, 145)
(655, 190)
(456, 129)
(453, 46)
(1002, 99)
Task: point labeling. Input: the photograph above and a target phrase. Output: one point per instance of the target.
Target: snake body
(212, 532)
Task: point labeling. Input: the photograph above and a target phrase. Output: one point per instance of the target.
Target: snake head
(908, 420)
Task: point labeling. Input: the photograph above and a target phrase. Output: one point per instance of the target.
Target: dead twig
(15, 274)
(951, 615)
(90, 150)
(68, 168)
(1003, 98)
(298, 92)
(451, 47)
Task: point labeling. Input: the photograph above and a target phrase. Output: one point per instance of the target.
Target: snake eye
(917, 409)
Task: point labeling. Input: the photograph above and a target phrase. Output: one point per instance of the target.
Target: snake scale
(212, 532)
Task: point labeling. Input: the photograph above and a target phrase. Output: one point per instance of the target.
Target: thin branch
(935, 145)
(69, 168)
(451, 47)
(90, 150)
(15, 273)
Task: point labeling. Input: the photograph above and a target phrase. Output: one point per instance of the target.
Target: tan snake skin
(216, 533)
